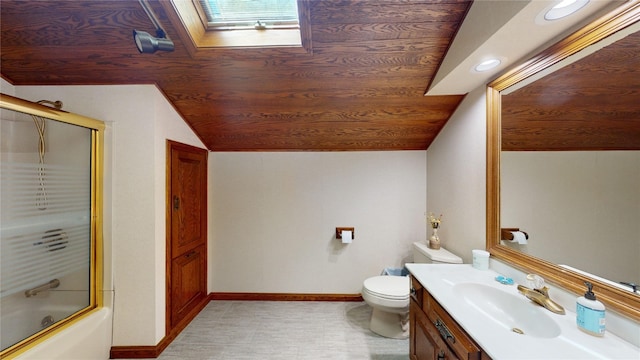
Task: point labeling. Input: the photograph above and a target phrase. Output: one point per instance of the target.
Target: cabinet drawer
(449, 330)
(442, 351)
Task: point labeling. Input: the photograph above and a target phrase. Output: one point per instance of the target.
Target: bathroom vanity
(458, 312)
(434, 334)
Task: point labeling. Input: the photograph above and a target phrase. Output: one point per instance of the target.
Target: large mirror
(563, 161)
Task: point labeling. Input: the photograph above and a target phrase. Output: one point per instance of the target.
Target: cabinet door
(189, 278)
(422, 346)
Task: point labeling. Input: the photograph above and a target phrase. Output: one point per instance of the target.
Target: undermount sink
(514, 313)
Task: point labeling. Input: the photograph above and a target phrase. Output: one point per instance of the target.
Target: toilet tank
(422, 254)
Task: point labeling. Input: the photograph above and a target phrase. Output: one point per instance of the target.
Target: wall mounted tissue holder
(505, 233)
(339, 231)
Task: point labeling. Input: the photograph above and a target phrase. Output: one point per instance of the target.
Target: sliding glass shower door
(50, 193)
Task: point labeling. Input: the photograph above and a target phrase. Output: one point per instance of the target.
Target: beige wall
(580, 208)
(7, 88)
(139, 120)
(274, 216)
(456, 171)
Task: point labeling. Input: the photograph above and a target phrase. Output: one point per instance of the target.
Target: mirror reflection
(570, 161)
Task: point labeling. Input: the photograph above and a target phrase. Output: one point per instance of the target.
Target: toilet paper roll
(347, 237)
(519, 237)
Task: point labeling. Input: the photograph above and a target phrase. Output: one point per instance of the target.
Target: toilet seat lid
(388, 287)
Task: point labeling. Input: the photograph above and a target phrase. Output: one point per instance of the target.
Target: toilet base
(390, 325)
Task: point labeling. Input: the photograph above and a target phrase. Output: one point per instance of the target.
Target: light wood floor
(269, 330)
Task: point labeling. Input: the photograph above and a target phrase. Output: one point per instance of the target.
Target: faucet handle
(535, 281)
(543, 290)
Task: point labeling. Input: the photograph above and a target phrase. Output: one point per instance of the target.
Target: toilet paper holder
(339, 231)
(505, 233)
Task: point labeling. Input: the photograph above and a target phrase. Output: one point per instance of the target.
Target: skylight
(250, 14)
(240, 24)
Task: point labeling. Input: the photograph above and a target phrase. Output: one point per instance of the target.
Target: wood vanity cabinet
(434, 334)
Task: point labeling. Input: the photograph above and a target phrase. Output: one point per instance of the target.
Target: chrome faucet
(539, 294)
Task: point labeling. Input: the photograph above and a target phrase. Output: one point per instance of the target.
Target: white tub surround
(497, 339)
(87, 339)
(22, 317)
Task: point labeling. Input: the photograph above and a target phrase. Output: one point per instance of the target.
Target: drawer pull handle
(444, 331)
(190, 254)
(441, 355)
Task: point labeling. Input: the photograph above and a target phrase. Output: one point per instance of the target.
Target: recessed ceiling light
(564, 8)
(487, 65)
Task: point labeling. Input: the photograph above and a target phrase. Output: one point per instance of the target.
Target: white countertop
(500, 343)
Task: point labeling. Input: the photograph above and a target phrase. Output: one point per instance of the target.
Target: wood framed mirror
(624, 18)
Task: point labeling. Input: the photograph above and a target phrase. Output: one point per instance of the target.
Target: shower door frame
(97, 128)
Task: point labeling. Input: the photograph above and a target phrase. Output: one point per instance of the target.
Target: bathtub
(89, 338)
(20, 324)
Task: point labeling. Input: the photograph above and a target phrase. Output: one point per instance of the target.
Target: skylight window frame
(190, 22)
(256, 22)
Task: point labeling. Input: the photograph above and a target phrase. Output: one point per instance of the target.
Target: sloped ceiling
(359, 86)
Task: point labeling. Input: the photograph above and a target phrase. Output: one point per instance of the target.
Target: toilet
(389, 295)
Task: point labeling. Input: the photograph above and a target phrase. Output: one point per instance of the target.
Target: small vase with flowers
(434, 240)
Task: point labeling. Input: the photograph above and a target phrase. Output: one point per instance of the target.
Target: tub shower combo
(50, 211)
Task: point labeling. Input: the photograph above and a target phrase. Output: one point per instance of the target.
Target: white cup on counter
(480, 259)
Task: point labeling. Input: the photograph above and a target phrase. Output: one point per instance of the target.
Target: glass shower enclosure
(50, 220)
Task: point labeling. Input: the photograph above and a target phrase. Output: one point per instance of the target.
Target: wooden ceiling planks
(559, 111)
(359, 88)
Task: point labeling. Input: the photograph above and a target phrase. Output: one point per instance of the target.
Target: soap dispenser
(590, 313)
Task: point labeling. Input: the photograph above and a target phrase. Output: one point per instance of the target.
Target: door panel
(188, 227)
(188, 275)
(186, 233)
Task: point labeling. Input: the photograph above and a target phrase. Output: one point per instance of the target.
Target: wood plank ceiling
(360, 87)
(592, 104)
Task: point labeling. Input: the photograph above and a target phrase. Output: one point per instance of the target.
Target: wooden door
(186, 233)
